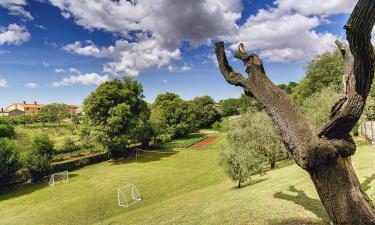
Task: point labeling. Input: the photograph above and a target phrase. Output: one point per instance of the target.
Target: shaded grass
(186, 187)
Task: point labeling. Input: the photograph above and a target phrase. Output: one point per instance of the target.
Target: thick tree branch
(229, 74)
(288, 120)
(358, 74)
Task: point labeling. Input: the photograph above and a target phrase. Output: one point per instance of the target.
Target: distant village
(34, 108)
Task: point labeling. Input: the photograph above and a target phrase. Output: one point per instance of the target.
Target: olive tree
(324, 154)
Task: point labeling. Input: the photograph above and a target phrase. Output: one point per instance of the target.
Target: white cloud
(40, 26)
(283, 32)
(3, 83)
(45, 64)
(14, 34)
(31, 85)
(176, 69)
(83, 79)
(128, 58)
(170, 21)
(16, 8)
(59, 70)
(286, 33)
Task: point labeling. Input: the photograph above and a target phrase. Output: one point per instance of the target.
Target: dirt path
(204, 143)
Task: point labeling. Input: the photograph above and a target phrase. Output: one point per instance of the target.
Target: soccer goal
(60, 177)
(128, 195)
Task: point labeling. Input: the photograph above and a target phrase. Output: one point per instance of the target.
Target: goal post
(60, 177)
(128, 195)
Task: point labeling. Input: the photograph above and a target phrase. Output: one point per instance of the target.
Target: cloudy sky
(60, 50)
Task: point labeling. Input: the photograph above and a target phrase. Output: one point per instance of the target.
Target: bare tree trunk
(326, 155)
(273, 164)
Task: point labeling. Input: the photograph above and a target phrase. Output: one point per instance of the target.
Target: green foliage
(205, 112)
(43, 118)
(39, 157)
(7, 131)
(317, 107)
(288, 88)
(118, 115)
(230, 107)
(324, 71)
(240, 164)
(9, 162)
(70, 145)
(254, 132)
(56, 112)
(170, 115)
(248, 104)
(369, 111)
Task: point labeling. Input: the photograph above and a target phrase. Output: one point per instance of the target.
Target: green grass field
(183, 142)
(184, 187)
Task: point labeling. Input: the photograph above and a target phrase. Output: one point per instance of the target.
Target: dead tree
(325, 155)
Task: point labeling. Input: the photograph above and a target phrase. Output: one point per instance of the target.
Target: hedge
(78, 163)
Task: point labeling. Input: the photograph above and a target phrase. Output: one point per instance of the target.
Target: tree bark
(326, 155)
(341, 194)
(273, 165)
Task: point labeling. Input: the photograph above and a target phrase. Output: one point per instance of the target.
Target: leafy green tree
(254, 132)
(42, 118)
(317, 107)
(9, 162)
(172, 117)
(205, 112)
(324, 71)
(56, 112)
(248, 104)
(240, 164)
(70, 145)
(230, 107)
(118, 114)
(7, 131)
(39, 157)
(288, 88)
(23, 119)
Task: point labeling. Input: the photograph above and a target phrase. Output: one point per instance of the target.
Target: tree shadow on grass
(366, 183)
(313, 205)
(27, 188)
(295, 221)
(310, 204)
(144, 156)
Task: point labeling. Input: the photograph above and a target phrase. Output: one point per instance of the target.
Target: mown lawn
(184, 187)
(183, 142)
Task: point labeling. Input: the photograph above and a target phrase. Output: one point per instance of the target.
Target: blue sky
(60, 50)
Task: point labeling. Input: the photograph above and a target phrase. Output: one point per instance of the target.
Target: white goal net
(128, 195)
(61, 177)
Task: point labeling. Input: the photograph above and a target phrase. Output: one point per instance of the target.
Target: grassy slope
(176, 191)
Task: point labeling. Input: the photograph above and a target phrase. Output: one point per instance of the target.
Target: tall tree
(204, 110)
(172, 117)
(118, 114)
(325, 155)
(56, 112)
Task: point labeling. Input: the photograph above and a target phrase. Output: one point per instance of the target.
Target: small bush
(9, 162)
(39, 157)
(70, 146)
(7, 131)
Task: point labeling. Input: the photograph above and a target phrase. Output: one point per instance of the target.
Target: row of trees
(117, 116)
(36, 156)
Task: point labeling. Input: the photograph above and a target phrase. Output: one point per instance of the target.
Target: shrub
(9, 162)
(70, 146)
(7, 131)
(39, 157)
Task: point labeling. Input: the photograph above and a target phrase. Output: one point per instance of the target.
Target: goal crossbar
(60, 177)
